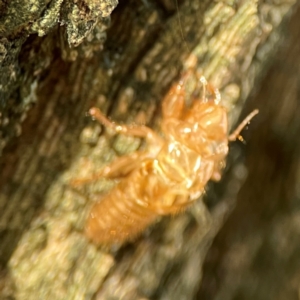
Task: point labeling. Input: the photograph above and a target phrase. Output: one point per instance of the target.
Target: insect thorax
(178, 164)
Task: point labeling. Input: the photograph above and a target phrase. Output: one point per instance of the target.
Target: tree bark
(256, 253)
(55, 66)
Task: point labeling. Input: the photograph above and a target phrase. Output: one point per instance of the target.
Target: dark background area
(256, 253)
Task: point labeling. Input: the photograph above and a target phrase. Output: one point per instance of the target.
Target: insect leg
(133, 130)
(118, 168)
(139, 131)
(233, 136)
(173, 103)
(123, 165)
(176, 205)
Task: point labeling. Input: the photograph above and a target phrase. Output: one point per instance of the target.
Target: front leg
(236, 133)
(174, 101)
(133, 130)
(120, 167)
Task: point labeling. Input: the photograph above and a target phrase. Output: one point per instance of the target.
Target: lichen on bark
(24, 57)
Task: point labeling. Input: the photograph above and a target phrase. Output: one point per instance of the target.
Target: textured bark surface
(256, 253)
(48, 84)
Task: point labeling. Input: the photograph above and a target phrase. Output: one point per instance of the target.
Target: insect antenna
(180, 24)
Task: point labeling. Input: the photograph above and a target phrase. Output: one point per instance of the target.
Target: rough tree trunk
(56, 64)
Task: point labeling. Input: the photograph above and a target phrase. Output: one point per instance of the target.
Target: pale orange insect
(171, 173)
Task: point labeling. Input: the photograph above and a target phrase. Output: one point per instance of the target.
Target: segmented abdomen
(123, 213)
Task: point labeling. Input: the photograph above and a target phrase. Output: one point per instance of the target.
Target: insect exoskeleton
(171, 173)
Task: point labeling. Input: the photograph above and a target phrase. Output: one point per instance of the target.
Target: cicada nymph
(173, 170)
